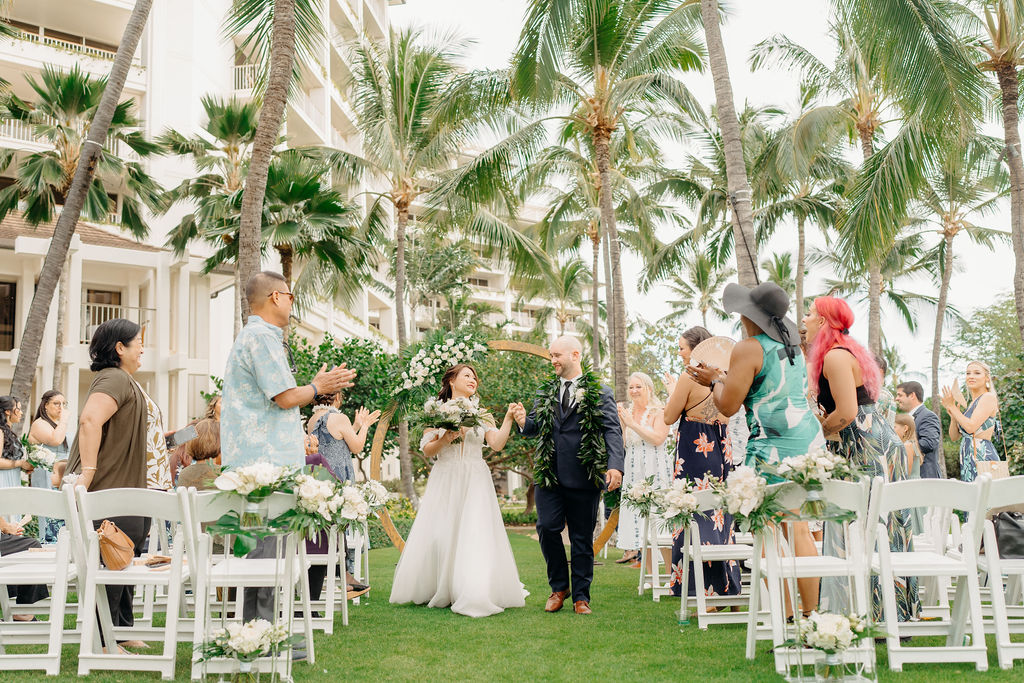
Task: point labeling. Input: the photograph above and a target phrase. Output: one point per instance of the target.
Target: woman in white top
(458, 553)
(645, 437)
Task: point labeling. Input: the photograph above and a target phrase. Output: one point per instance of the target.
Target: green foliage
(379, 537)
(218, 389)
(989, 334)
(518, 517)
(375, 383)
(654, 350)
(1011, 407)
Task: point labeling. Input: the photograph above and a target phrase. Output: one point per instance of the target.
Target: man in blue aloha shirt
(260, 419)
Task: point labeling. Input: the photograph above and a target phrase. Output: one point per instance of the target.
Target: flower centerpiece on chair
(676, 505)
(254, 484)
(810, 471)
(833, 634)
(641, 496)
(375, 495)
(246, 643)
(744, 496)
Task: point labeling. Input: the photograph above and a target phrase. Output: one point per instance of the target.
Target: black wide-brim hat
(762, 304)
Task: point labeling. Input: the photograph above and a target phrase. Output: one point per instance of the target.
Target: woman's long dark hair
(41, 410)
(12, 445)
(446, 382)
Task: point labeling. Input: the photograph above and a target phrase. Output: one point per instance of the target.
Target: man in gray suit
(910, 397)
(574, 498)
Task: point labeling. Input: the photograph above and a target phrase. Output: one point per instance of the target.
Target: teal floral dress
(972, 448)
(870, 444)
(780, 419)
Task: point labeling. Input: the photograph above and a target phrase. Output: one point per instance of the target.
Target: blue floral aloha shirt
(252, 427)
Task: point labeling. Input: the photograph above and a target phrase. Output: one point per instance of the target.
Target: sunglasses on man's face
(291, 297)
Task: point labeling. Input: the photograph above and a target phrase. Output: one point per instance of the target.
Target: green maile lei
(593, 453)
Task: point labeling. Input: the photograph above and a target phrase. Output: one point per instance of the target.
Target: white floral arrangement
(676, 505)
(375, 495)
(354, 507)
(257, 481)
(810, 471)
(453, 414)
(247, 642)
(833, 633)
(744, 496)
(37, 456)
(641, 496)
(426, 365)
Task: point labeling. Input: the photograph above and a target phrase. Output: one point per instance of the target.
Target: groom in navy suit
(573, 500)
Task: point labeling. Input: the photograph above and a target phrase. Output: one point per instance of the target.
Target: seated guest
(201, 452)
(12, 541)
(910, 397)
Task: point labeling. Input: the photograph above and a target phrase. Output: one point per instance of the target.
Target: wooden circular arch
(377, 450)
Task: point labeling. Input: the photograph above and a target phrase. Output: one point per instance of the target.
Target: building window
(102, 297)
(479, 282)
(8, 304)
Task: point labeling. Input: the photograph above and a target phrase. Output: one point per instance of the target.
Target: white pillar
(162, 332)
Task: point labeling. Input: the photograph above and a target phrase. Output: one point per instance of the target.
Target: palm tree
(602, 62)
(276, 31)
(1004, 46)
(890, 60)
(698, 289)
(562, 286)
(739, 194)
(779, 269)
(74, 201)
(967, 182)
(435, 267)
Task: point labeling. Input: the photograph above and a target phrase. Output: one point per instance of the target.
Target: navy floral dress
(704, 451)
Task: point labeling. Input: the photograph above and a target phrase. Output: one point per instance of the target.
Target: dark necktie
(565, 397)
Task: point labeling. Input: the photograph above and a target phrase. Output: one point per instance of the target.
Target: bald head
(566, 353)
(260, 286)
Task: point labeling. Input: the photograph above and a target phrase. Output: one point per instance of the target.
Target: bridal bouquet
(453, 414)
(37, 456)
(811, 471)
(375, 495)
(676, 505)
(247, 642)
(744, 496)
(641, 496)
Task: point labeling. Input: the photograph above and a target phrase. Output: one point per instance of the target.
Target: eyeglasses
(291, 297)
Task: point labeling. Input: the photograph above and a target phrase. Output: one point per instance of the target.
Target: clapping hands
(625, 416)
(334, 380)
(670, 383)
(364, 418)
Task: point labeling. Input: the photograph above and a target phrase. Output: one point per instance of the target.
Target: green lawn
(627, 637)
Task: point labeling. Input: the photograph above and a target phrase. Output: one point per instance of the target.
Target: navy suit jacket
(929, 438)
(567, 435)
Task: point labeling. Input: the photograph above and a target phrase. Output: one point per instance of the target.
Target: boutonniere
(579, 395)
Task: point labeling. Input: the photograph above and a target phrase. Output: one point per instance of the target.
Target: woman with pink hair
(847, 381)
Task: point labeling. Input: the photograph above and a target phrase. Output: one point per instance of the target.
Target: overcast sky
(493, 26)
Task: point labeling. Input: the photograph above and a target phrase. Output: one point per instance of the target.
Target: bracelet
(85, 469)
(316, 394)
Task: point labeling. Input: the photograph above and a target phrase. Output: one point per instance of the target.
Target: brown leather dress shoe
(581, 607)
(555, 601)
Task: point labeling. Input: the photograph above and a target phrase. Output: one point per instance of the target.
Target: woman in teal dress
(49, 430)
(767, 376)
(975, 426)
(848, 383)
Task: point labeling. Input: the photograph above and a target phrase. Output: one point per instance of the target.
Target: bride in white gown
(458, 552)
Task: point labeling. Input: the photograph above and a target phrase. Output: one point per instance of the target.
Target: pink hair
(835, 331)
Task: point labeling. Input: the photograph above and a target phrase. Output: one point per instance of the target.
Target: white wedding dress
(458, 552)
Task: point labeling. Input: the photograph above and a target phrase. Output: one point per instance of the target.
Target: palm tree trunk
(287, 258)
(62, 332)
(282, 55)
(595, 307)
(704, 318)
(867, 148)
(619, 360)
(404, 454)
(609, 282)
(57, 254)
(1009, 88)
(940, 314)
(239, 320)
(735, 166)
(801, 259)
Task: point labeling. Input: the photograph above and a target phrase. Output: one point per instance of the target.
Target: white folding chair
(1006, 618)
(359, 540)
(960, 565)
(99, 505)
(25, 568)
(653, 576)
(698, 552)
(286, 573)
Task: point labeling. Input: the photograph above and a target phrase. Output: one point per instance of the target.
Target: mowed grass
(627, 637)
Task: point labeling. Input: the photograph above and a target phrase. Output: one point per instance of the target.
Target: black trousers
(28, 594)
(121, 598)
(557, 507)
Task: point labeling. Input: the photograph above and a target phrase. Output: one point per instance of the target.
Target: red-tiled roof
(14, 225)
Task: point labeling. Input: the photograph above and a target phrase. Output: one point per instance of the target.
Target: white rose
(228, 481)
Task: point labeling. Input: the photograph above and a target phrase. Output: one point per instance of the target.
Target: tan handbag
(116, 550)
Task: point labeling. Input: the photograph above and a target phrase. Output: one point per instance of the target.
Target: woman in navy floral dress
(703, 451)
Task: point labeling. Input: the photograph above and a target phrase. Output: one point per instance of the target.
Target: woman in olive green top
(109, 450)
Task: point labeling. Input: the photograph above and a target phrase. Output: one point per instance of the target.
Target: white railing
(94, 315)
(245, 76)
(17, 130)
(315, 114)
(60, 44)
